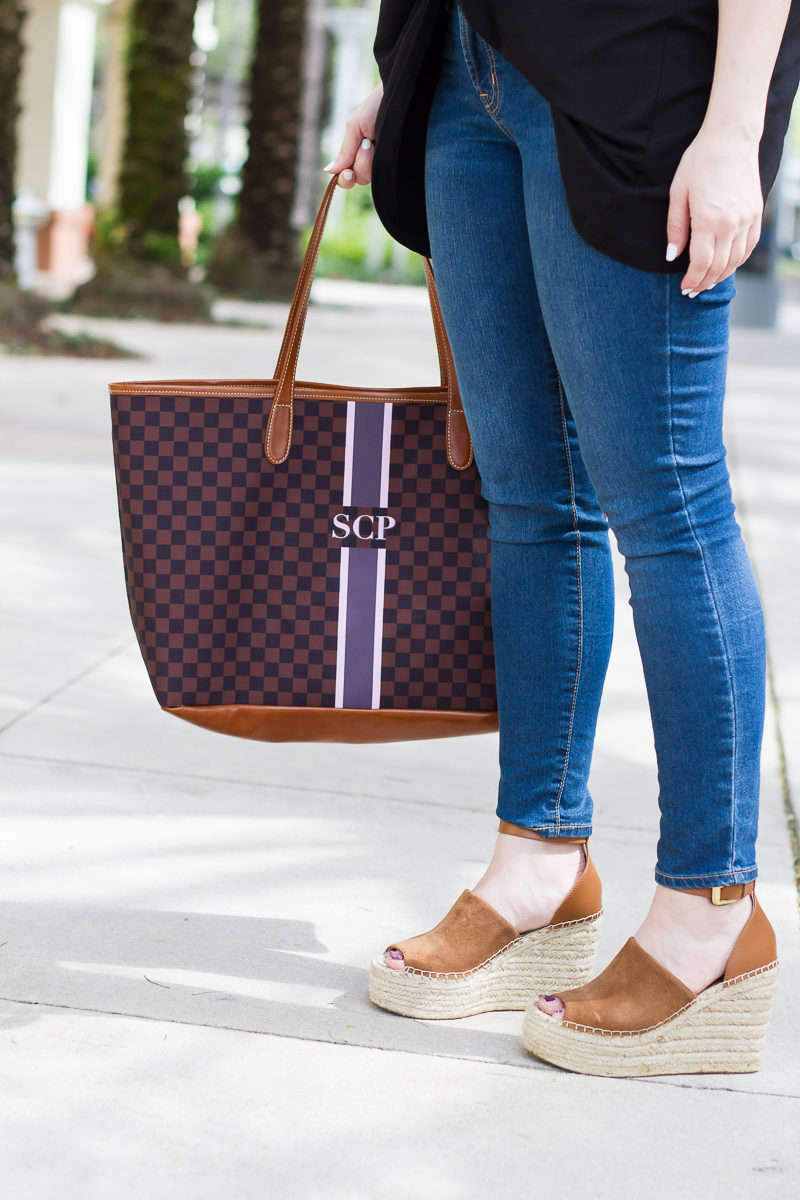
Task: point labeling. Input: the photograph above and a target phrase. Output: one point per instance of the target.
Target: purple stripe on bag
(367, 447)
(359, 649)
(360, 636)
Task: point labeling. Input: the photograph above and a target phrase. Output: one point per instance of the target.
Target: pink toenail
(395, 954)
(549, 999)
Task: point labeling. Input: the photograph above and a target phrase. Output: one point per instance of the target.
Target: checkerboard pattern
(437, 618)
(233, 573)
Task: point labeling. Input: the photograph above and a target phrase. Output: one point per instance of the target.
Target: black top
(628, 83)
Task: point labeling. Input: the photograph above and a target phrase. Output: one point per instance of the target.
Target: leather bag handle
(278, 437)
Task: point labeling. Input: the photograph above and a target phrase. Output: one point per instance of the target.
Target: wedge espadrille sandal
(475, 961)
(636, 1018)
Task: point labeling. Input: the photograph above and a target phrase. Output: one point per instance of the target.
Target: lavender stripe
(360, 636)
(359, 647)
(367, 451)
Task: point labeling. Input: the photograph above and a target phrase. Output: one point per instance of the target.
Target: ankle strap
(521, 831)
(723, 895)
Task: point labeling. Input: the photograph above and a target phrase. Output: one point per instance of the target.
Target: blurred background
(155, 154)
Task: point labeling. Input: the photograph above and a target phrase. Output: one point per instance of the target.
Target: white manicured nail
(672, 252)
(366, 144)
(685, 292)
(348, 175)
(329, 166)
(692, 295)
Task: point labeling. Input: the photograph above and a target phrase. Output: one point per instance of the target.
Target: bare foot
(525, 882)
(690, 937)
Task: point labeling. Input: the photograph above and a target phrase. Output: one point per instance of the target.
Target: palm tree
(153, 173)
(136, 250)
(11, 18)
(259, 254)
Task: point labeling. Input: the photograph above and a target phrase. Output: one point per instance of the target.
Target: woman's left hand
(716, 205)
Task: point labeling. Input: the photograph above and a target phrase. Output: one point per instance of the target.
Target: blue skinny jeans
(594, 395)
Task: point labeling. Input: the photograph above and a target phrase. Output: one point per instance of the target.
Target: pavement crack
(99, 662)
(333, 1040)
(156, 983)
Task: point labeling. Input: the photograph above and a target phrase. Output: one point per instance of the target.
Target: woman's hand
(354, 159)
(715, 205)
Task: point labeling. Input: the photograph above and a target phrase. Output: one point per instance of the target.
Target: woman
(587, 177)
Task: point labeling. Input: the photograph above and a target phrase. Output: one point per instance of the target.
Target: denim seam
(710, 875)
(494, 104)
(559, 828)
(577, 531)
(473, 72)
(471, 67)
(501, 126)
(668, 280)
(493, 107)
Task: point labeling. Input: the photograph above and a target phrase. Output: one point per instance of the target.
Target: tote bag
(307, 561)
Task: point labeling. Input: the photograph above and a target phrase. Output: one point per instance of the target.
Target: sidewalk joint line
(68, 683)
(253, 783)
(479, 810)
(789, 809)
(542, 1068)
(787, 800)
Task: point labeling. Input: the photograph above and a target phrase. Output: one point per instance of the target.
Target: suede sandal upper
(469, 934)
(635, 992)
(472, 932)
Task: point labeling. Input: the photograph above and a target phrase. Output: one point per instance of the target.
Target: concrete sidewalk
(188, 920)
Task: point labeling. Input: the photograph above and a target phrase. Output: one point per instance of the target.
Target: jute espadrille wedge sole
(636, 1018)
(509, 979)
(723, 1030)
(475, 961)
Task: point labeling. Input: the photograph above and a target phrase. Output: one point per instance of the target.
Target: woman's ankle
(528, 878)
(691, 937)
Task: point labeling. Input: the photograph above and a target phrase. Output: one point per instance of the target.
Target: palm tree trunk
(270, 173)
(258, 254)
(11, 18)
(153, 173)
(138, 260)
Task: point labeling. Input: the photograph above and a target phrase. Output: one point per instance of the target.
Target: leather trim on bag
(356, 725)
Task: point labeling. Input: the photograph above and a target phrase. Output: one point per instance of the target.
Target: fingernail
(672, 252)
(686, 292)
(329, 166)
(366, 144)
(692, 295)
(348, 175)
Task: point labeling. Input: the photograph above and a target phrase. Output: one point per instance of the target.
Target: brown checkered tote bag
(306, 561)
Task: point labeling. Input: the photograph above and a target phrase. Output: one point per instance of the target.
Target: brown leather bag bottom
(356, 725)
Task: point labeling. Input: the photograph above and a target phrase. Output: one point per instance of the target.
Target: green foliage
(345, 251)
(793, 138)
(162, 248)
(204, 180)
(111, 238)
(109, 235)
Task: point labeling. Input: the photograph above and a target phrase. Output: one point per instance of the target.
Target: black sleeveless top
(628, 83)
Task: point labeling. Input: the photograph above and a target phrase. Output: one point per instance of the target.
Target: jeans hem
(551, 831)
(720, 879)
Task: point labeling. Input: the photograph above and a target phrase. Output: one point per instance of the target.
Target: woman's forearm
(750, 33)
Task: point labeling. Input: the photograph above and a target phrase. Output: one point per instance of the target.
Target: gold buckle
(716, 897)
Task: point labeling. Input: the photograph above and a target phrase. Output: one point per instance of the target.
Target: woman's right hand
(354, 160)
